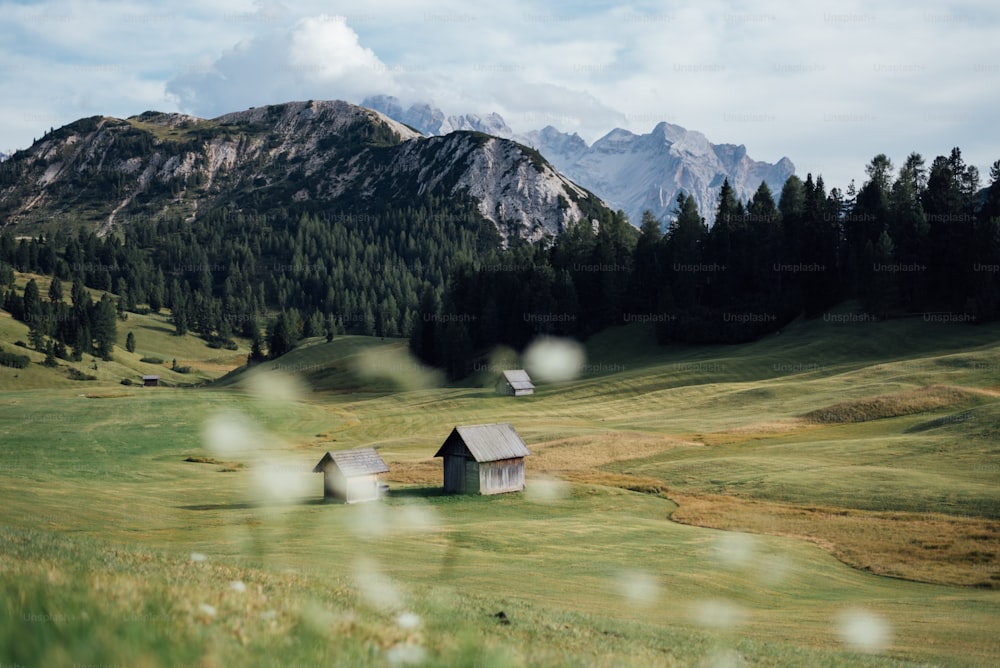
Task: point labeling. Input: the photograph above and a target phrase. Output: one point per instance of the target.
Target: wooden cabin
(515, 383)
(150, 381)
(483, 459)
(351, 476)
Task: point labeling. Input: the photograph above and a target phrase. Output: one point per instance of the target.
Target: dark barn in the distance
(351, 475)
(150, 381)
(483, 459)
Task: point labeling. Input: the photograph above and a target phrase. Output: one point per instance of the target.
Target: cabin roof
(518, 379)
(150, 377)
(352, 463)
(489, 442)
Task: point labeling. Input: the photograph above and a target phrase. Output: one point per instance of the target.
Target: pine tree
(879, 293)
(82, 342)
(50, 355)
(32, 309)
(684, 254)
(105, 326)
(130, 342)
(647, 274)
(55, 290)
(764, 242)
(6, 274)
(256, 348)
(908, 227)
(423, 335)
(180, 320)
(330, 327)
(36, 335)
(282, 336)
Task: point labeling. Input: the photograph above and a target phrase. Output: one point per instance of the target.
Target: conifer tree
(55, 290)
(105, 326)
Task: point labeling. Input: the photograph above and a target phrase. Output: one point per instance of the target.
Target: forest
(918, 240)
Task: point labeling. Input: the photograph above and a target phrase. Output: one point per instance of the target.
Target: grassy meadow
(827, 496)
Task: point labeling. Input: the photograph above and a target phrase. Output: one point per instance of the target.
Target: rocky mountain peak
(632, 172)
(308, 155)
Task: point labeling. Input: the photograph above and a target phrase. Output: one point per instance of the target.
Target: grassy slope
(154, 335)
(587, 571)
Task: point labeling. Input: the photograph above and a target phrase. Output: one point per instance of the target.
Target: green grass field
(827, 496)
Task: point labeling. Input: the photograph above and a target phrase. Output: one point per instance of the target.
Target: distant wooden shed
(483, 459)
(351, 476)
(150, 381)
(515, 383)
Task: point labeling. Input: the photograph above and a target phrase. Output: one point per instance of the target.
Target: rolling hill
(203, 538)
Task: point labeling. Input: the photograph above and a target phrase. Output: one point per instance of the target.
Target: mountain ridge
(103, 170)
(631, 172)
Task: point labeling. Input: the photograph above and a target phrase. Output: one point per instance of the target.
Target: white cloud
(317, 58)
(828, 84)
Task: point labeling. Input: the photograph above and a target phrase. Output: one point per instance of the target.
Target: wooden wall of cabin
(506, 475)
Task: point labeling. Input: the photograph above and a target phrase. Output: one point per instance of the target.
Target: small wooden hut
(351, 476)
(515, 383)
(483, 459)
(150, 381)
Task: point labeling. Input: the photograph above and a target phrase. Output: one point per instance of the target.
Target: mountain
(636, 173)
(308, 156)
(431, 121)
(630, 172)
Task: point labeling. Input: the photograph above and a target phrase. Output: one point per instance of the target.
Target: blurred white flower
(554, 360)
(408, 621)
(375, 588)
(406, 654)
(231, 433)
(863, 630)
(735, 549)
(543, 489)
(639, 588)
(719, 614)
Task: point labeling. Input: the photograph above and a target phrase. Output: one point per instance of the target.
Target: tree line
(229, 273)
(917, 239)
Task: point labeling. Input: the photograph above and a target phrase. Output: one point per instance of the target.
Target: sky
(827, 84)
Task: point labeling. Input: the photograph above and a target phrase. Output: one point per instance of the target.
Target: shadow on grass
(157, 328)
(249, 506)
(415, 492)
(403, 493)
(220, 506)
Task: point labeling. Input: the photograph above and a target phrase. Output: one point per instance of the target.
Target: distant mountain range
(630, 172)
(103, 171)
(328, 155)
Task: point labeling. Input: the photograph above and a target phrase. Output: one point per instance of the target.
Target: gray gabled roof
(489, 442)
(518, 379)
(352, 463)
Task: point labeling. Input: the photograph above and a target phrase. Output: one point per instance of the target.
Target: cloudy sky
(828, 84)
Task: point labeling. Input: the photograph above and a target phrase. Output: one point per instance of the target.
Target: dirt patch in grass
(926, 547)
(755, 430)
(591, 452)
(424, 472)
(633, 483)
(891, 405)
